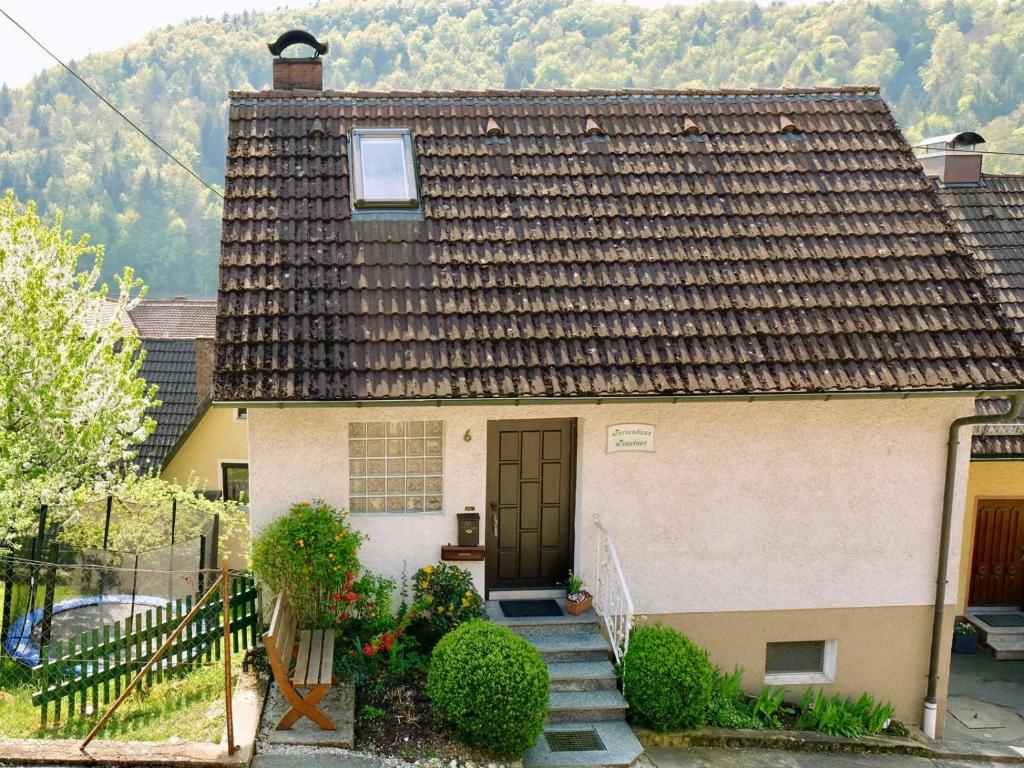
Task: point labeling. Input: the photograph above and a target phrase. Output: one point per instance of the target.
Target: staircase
(586, 723)
(1000, 631)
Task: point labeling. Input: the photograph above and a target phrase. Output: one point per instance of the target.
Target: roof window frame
(359, 200)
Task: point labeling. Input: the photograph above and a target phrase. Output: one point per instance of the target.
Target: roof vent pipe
(952, 158)
(295, 73)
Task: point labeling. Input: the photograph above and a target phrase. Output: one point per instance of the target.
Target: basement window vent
(800, 662)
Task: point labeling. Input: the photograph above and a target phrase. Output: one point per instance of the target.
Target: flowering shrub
(312, 552)
(443, 598)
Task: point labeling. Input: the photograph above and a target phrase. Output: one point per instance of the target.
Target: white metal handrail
(612, 600)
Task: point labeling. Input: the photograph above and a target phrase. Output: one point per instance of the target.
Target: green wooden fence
(81, 675)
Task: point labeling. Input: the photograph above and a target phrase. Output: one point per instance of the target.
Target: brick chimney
(951, 158)
(204, 369)
(298, 73)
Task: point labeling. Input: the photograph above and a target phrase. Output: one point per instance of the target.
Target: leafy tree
(72, 405)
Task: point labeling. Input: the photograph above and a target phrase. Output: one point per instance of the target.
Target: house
(191, 440)
(987, 210)
(724, 333)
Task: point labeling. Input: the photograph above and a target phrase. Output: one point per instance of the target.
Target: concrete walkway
(701, 757)
(986, 698)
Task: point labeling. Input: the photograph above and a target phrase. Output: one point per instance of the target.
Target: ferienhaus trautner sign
(630, 437)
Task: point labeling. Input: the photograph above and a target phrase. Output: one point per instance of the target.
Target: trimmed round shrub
(490, 685)
(667, 679)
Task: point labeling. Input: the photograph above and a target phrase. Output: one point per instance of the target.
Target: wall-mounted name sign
(631, 437)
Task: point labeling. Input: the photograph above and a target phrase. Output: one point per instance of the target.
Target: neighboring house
(988, 210)
(732, 327)
(191, 440)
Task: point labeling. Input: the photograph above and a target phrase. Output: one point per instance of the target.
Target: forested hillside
(943, 64)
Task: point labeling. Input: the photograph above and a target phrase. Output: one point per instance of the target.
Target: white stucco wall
(743, 505)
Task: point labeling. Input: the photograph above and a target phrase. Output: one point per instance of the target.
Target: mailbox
(469, 529)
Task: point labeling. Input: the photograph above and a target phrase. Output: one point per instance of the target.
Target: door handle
(494, 519)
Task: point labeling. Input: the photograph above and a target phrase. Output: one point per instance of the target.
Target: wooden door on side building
(997, 565)
(530, 499)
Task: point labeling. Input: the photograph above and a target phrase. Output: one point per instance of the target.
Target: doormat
(517, 609)
(1002, 619)
(574, 741)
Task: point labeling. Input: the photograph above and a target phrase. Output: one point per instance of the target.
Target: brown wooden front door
(530, 490)
(997, 568)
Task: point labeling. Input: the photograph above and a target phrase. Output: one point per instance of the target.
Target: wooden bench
(312, 651)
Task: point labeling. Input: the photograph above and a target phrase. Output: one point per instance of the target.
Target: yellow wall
(985, 480)
(218, 437)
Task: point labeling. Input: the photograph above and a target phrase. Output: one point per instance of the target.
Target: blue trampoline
(70, 619)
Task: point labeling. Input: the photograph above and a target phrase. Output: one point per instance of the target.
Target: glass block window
(396, 466)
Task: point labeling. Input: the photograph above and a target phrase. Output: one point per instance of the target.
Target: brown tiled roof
(990, 217)
(702, 245)
(175, 318)
(171, 365)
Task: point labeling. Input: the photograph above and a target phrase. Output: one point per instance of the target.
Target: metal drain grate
(574, 741)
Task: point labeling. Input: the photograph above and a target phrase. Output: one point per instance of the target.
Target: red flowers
(335, 596)
(369, 650)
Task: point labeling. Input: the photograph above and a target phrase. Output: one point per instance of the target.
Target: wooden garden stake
(225, 598)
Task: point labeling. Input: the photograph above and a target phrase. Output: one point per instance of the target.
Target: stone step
(544, 593)
(1004, 647)
(585, 706)
(495, 614)
(621, 747)
(582, 675)
(584, 643)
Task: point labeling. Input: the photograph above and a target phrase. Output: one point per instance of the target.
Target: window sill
(799, 678)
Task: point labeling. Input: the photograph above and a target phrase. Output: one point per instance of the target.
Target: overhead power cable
(970, 151)
(184, 166)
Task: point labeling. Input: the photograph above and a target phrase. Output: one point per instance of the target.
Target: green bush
(731, 708)
(490, 685)
(443, 597)
(311, 552)
(667, 679)
(842, 717)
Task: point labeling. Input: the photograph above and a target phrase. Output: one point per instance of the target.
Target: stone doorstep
(810, 741)
(247, 704)
(621, 747)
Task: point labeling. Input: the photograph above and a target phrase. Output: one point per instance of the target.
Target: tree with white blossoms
(72, 404)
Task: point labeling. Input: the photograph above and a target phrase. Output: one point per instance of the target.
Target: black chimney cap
(297, 37)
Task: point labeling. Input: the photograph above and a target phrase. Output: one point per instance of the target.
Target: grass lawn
(190, 707)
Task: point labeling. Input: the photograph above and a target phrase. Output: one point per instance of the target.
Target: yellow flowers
(340, 536)
(424, 584)
(440, 609)
(301, 543)
(428, 569)
(429, 598)
(330, 555)
(465, 602)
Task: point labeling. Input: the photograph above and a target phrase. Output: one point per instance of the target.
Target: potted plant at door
(577, 599)
(965, 637)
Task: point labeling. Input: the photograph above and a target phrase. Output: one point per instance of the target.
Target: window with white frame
(382, 168)
(396, 466)
(800, 662)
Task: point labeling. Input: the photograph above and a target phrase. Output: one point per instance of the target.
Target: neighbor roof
(990, 217)
(171, 365)
(602, 243)
(175, 318)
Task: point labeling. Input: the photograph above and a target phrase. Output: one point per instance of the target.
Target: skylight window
(383, 171)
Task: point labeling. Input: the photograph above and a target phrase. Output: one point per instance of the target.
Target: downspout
(931, 700)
